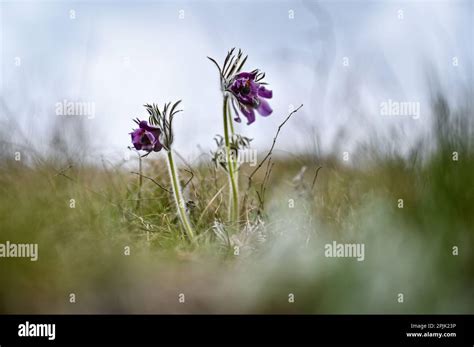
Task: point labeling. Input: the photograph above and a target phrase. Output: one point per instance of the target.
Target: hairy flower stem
(234, 193)
(180, 204)
(231, 123)
(231, 126)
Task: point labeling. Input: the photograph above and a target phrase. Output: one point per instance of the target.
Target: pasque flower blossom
(249, 95)
(159, 135)
(146, 137)
(246, 90)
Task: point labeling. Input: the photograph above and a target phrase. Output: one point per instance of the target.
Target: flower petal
(158, 146)
(250, 75)
(264, 108)
(147, 141)
(136, 138)
(237, 117)
(264, 92)
(248, 113)
(144, 125)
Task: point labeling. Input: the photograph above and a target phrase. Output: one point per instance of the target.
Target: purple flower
(146, 137)
(250, 94)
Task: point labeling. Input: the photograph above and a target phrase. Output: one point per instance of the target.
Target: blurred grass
(409, 250)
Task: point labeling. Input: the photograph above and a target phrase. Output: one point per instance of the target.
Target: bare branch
(62, 172)
(151, 179)
(123, 210)
(273, 144)
(315, 177)
(190, 179)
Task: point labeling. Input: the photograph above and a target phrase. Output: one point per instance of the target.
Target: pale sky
(122, 55)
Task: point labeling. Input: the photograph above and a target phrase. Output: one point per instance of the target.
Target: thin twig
(151, 179)
(190, 169)
(273, 144)
(185, 162)
(249, 184)
(190, 179)
(260, 202)
(315, 177)
(61, 173)
(123, 210)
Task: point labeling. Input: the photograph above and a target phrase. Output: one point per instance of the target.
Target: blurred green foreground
(120, 255)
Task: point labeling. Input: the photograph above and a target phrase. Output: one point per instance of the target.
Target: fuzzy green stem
(231, 127)
(236, 168)
(234, 192)
(231, 123)
(180, 205)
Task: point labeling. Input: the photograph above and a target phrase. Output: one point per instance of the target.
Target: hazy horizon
(118, 63)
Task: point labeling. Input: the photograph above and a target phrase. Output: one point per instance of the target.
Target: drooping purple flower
(249, 94)
(247, 89)
(146, 137)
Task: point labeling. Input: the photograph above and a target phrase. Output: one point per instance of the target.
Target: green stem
(236, 168)
(231, 126)
(231, 123)
(180, 204)
(234, 196)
